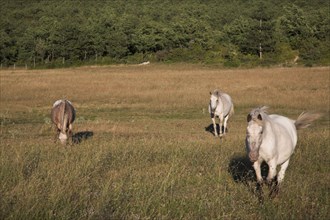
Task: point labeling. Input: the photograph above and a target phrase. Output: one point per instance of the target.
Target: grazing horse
(220, 106)
(273, 138)
(63, 114)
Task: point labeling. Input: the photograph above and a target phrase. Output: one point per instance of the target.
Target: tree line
(233, 33)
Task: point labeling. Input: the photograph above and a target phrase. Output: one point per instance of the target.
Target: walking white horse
(63, 114)
(273, 138)
(220, 106)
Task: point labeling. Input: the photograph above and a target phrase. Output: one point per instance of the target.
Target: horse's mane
(256, 113)
(217, 93)
(259, 110)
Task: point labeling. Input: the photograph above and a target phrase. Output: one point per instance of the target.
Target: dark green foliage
(229, 33)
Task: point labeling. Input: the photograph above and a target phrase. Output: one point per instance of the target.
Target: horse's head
(214, 100)
(63, 138)
(254, 133)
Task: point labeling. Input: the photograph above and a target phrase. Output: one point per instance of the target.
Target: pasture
(150, 155)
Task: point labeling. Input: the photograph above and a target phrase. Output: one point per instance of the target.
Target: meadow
(150, 155)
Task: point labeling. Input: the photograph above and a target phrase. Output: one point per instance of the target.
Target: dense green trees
(57, 33)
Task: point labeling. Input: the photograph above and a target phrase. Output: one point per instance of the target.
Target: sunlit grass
(150, 156)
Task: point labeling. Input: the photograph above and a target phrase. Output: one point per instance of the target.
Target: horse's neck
(268, 128)
(272, 131)
(225, 105)
(220, 106)
(266, 150)
(222, 98)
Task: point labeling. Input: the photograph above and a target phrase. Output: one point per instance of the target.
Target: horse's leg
(259, 192)
(221, 123)
(70, 132)
(274, 190)
(271, 171)
(70, 129)
(271, 179)
(57, 132)
(214, 126)
(281, 173)
(225, 124)
(257, 169)
(280, 176)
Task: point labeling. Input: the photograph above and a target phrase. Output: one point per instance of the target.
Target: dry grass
(150, 156)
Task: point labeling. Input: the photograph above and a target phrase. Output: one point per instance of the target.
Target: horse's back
(57, 111)
(285, 130)
(70, 111)
(227, 103)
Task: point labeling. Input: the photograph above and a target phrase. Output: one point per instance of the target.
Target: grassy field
(150, 156)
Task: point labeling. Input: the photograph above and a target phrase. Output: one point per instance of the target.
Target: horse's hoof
(260, 183)
(269, 183)
(274, 192)
(259, 192)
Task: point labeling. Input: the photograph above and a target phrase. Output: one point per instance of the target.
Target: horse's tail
(231, 112)
(226, 102)
(305, 119)
(64, 115)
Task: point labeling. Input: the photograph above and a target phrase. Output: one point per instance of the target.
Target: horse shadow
(210, 128)
(80, 136)
(242, 172)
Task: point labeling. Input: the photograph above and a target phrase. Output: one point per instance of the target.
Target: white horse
(63, 115)
(273, 138)
(220, 106)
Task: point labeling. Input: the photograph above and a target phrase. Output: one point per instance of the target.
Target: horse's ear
(249, 118)
(259, 117)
